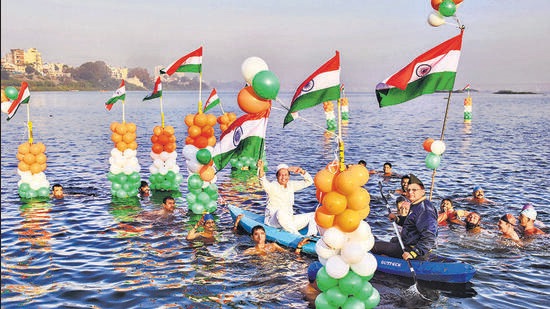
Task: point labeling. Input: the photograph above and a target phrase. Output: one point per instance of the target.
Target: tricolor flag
(23, 98)
(244, 137)
(212, 101)
(191, 62)
(466, 88)
(157, 91)
(321, 86)
(120, 94)
(435, 70)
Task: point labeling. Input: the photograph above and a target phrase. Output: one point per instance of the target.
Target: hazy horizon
(506, 43)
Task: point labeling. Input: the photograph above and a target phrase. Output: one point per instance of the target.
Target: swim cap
(414, 179)
(477, 188)
(312, 271)
(208, 217)
(527, 206)
(280, 166)
(529, 212)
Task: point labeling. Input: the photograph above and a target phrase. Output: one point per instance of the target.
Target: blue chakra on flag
(308, 86)
(423, 69)
(237, 136)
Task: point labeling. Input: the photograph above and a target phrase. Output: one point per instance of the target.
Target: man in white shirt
(280, 199)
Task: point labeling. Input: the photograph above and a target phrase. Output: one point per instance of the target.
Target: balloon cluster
(165, 173)
(443, 8)
(10, 93)
(226, 120)
(124, 169)
(203, 192)
(468, 109)
(31, 167)
(435, 149)
(343, 248)
(328, 106)
(344, 109)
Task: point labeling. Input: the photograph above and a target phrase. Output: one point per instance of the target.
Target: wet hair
(57, 185)
(166, 198)
(362, 162)
(257, 227)
(387, 163)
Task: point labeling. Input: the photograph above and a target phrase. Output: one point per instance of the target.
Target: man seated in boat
(527, 218)
(280, 199)
(419, 231)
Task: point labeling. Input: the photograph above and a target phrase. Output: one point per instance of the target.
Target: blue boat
(437, 269)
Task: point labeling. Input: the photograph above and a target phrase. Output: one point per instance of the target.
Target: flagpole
(29, 123)
(161, 113)
(200, 92)
(222, 108)
(441, 139)
(340, 140)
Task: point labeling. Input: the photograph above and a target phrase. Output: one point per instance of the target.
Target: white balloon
(438, 147)
(322, 260)
(251, 66)
(154, 155)
(35, 185)
(116, 153)
(153, 169)
(189, 151)
(323, 250)
(128, 170)
(173, 155)
(336, 267)
(115, 169)
(193, 166)
(353, 252)
(436, 19)
(176, 169)
(158, 163)
(362, 232)
(163, 170)
(170, 163)
(334, 238)
(129, 153)
(368, 244)
(366, 267)
(164, 156)
(5, 106)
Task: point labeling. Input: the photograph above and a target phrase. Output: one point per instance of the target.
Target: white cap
(280, 166)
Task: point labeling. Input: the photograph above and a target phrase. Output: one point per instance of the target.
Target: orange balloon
(121, 129)
(114, 124)
(189, 141)
(250, 103)
(223, 119)
(115, 137)
(334, 202)
(24, 148)
(35, 149)
(163, 139)
(207, 131)
(157, 148)
(345, 183)
(154, 138)
(323, 218)
(169, 130)
(358, 199)
(194, 131)
(223, 127)
(40, 158)
(435, 4)
(19, 156)
(157, 130)
(189, 119)
(170, 147)
(323, 180)
(121, 146)
(201, 142)
(201, 120)
(360, 173)
(22, 166)
(29, 158)
(43, 166)
(212, 141)
(333, 167)
(210, 120)
(428, 144)
(207, 173)
(131, 127)
(35, 168)
(42, 147)
(348, 221)
(133, 145)
(129, 137)
(363, 213)
(232, 117)
(319, 195)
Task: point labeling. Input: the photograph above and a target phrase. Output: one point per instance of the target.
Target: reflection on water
(87, 250)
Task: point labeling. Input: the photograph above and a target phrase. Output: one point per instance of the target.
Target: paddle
(414, 288)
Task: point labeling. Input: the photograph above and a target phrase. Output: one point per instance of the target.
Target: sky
(506, 43)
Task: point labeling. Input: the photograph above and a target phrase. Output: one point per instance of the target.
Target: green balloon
(432, 160)
(194, 182)
(336, 297)
(447, 8)
(373, 300)
(204, 156)
(324, 280)
(353, 303)
(365, 292)
(321, 302)
(266, 85)
(11, 92)
(351, 283)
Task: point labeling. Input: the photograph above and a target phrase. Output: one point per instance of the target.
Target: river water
(74, 253)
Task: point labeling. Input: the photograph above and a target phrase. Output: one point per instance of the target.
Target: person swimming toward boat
(447, 214)
(261, 247)
(279, 211)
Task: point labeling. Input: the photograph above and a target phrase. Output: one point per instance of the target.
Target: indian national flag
(244, 137)
(212, 101)
(23, 98)
(466, 88)
(321, 86)
(435, 70)
(191, 62)
(157, 91)
(120, 94)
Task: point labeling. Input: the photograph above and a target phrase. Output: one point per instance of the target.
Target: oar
(413, 273)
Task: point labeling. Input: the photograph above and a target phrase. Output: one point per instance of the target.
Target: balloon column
(443, 8)
(468, 109)
(435, 149)
(203, 192)
(124, 168)
(31, 167)
(165, 173)
(344, 107)
(328, 106)
(344, 247)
